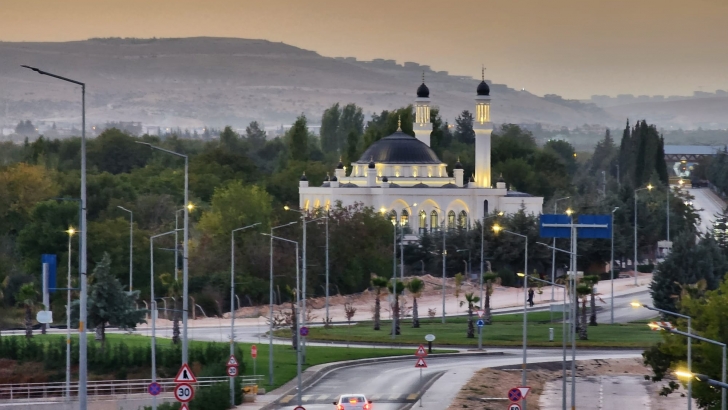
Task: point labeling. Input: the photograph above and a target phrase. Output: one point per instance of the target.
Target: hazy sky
(574, 48)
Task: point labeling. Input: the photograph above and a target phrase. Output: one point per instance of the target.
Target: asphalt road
(394, 385)
(707, 205)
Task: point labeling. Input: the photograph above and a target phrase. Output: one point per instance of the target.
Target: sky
(574, 48)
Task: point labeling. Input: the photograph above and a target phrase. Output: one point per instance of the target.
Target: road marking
(394, 396)
(286, 399)
(306, 397)
(323, 397)
(413, 396)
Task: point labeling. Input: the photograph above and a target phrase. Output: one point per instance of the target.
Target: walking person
(530, 297)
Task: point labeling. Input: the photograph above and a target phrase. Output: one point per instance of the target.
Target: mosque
(401, 175)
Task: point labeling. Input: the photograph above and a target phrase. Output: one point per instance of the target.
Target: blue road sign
(552, 232)
(51, 261)
(154, 388)
(480, 323)
(603, 233)
(304, 331)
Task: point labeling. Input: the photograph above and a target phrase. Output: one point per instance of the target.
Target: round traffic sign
(514, 395)
(254, 351)
(304, 331)
(430, 338)
(299, 408)
(154, 388)
(184, 392)
(232, 371)
(514, 406)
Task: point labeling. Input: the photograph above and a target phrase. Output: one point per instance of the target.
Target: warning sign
(232, 361)
(421, 364)
(185, 375)
(421, 352)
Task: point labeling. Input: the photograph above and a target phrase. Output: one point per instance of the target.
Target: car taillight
(367, 407)
(340, 407)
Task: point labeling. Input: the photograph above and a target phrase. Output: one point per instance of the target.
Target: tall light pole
(668, 212)
(690, 340)
(553, 251)
(611, 268)
(131, 244)
(70, 233)
(327, 266)
(649, 188)
(232, 303)
(497, 229)
(154, 310)
(482, 250)
(176, 241)
(270, 301)
(185, 249)
(82, 342)
(298, 321)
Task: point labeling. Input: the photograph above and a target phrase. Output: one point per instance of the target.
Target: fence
(98, 390)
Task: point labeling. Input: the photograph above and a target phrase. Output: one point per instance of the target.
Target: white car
(353, 402)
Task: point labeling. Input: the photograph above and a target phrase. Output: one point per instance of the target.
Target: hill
(190, 82)
(708, 113)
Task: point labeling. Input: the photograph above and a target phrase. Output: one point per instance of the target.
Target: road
(394, 385)
(707, 205)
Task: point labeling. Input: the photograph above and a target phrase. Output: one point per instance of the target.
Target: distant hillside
(191, 82)
(708, 113)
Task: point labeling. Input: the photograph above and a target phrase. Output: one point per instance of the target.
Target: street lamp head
(415, 204)
(190, 206)
(615, 209)
(684, 374)
(520, 274)
(287, 208)
(382, 210)
(649, 187)
(497, 228)
(501, 213)
(37, 70)
(144, 143)
(654, 326)
(70, 231)
(636, 304)
(569, 211)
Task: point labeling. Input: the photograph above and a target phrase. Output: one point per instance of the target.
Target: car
(353, 402)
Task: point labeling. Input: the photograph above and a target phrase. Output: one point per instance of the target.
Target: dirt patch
(487, 389)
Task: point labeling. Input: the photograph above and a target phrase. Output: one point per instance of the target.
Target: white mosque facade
(401, 175)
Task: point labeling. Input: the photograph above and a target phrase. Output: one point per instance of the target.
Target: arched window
(434, 223)
(485, 208)
(423, 220)
(462, 220)
(404, 220)
(393, 217)
(451, 220)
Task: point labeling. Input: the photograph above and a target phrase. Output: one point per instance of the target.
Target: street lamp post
(649, 188)
(70, 233)
(131, 243)
(553, 250)
(185, 250)
(497, 229)
(298, 321)
(690, 349)
(723, 370)
(232, 303)
(611, 268)
(270, 301)
(83, 341)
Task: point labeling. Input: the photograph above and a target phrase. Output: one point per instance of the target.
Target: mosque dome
(423, 91)
(483, 88)
(399, 148)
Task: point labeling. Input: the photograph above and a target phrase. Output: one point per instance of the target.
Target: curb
(314, 375)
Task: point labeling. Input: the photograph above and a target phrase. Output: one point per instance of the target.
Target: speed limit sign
(184, 392)
(232, 371)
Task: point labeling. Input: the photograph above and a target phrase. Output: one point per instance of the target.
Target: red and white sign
(421, 352)
(184, 407)
(299, 408)
(421, 364)
(232, 371)
(524, 392)
(232, 361)
(184, 392)
(512, 406)
(253, 351)
(480, 314)
(185, 375)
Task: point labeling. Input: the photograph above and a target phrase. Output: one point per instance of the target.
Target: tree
(330, 128)
(26, 297)
(174, 290)
(464, 132)
(471, 300)
(22, 186)
(591, 281)
(116, 152)
(379, 283)
(297, 138)
(489, 279)
(109, 303)
(255, 136)
(415, 287)
(583, 290)
(396, 288)
(352, 147)
(351, 120)
(235, 205)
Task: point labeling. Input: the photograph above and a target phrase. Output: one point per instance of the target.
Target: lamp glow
(520, 274)
(70, 231)
(569, 211)
(649, 187)
(497, 228)
(287, 208)
(190, 206)
(635, 304)
(683, 374)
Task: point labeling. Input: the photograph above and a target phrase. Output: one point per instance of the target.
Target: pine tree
(330, 128)
(298, 139)
(464, 128)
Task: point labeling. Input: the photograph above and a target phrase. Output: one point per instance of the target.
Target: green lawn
(284, 356)
(506, 330)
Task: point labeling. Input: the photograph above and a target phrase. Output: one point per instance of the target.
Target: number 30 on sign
(184, 392)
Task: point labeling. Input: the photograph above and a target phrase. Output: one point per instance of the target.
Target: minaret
(483, 128)
(422, 125)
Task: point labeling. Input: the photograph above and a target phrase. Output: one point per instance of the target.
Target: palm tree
(415, 287)
(379, 284)
(26, 297)
(582, 291)
(592, 281)
(396, 288)
(471, 300)
(174, 290)
(490, 279)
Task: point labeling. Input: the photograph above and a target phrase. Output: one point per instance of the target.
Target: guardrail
(98, 390)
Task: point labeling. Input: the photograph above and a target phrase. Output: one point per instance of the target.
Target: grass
(506, 330)
(284, 363)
